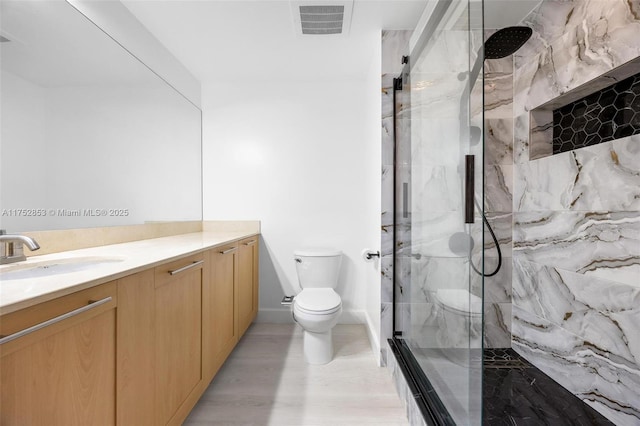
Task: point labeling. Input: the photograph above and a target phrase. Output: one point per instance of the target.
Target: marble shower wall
(395, 44)
(576, 216)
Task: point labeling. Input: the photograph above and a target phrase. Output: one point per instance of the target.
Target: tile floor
(266, 381)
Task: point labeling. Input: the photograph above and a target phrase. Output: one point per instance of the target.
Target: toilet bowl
(317, 307)
(459, 320)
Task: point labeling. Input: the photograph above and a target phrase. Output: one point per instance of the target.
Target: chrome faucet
(11, 249)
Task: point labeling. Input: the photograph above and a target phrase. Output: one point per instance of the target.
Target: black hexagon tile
(608, 114)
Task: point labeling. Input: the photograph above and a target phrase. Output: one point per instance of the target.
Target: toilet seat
(318, 301)
(459, 301)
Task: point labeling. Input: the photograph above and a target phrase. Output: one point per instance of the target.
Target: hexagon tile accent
(608, 114)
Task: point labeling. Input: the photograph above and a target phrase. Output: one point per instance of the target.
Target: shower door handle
(469, 190)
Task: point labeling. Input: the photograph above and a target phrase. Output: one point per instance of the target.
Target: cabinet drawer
(56, 315)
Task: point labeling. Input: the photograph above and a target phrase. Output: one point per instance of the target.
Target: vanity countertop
(132, 257)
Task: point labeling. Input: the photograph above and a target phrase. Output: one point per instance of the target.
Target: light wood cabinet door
(220, 323)
(178, 320)
(247, 282)
(135, 354)
(62, 373)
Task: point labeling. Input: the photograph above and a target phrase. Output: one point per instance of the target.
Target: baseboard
(352, 317)
(283, 316)
(374, 339)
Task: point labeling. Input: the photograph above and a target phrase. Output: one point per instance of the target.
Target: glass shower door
(438, 296)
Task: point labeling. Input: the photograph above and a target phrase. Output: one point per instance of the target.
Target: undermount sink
(54, 267)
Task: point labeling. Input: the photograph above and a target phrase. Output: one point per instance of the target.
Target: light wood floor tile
(266, 381)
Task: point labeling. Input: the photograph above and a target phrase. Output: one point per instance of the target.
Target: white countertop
(132, 257)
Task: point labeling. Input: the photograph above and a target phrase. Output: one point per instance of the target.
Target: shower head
(506, 41)
(500, 44)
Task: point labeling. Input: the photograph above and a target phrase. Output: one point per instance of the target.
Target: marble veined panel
(521, 139)
(395, 44)
(498, 141)
(386, 272)
(436, 95)
(497, 289)
(436, 189)
(605, 245)
(386, 322)
(498, 88)
(578, 41)
(402, 131)
(387, 177)
(448, 53)
(388, 144)
(436, 142)
(387, 95)
(603, 177)
(589, 372)
(549, 22)
(430, 274)
(497, 325)
(431, 233)
(502, 226)
(604, 313)
(387, 120)
(498, 188)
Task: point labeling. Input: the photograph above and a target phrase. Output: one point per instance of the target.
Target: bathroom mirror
(90, 136)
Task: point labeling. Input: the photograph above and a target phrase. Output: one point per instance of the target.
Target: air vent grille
(321, 19)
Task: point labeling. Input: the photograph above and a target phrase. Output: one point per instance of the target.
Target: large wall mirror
(89, 135)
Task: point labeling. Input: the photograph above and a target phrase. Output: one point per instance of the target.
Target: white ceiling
(255, 39)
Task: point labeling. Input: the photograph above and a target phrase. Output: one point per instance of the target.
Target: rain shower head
(506, 41)
(500, 44)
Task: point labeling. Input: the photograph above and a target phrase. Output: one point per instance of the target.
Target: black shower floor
(518, 393)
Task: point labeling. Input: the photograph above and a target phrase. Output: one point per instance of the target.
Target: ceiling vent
(322, 17)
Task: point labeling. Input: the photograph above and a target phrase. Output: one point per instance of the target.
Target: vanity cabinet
(63, 373)
(144, 360)
(247, 282)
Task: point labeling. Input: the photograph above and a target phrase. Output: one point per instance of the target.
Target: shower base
(514, 392)
(517, 393)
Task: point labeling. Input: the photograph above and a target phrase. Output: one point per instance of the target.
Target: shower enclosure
(439, 235)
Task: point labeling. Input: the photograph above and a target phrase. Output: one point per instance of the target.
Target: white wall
(304, 159)
(373, 105)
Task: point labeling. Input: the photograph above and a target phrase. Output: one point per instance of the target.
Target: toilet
(459, 320)
(317, 307)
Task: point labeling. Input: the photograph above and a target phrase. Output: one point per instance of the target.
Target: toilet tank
(318, 268)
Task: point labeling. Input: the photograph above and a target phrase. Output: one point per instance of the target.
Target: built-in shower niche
(601, 110)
